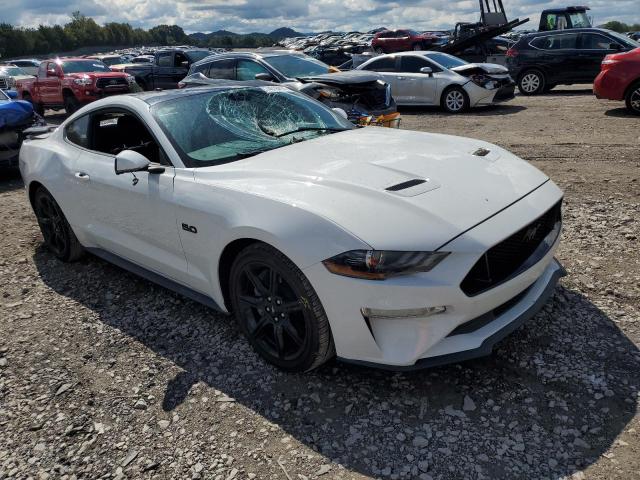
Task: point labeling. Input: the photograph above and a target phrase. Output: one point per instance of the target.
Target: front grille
(514, 255)
(117, 82)
(4, 83)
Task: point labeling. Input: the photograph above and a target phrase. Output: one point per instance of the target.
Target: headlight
(484, 82)
(382, 264)
(82, 81)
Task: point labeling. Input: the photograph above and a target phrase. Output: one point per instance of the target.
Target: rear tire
(56, 231)
(531, 82)
(71, 104)
(278, 310)
(632, 99)
(455, 100)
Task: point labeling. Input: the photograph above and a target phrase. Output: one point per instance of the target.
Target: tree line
(622, 27)
(82, 31)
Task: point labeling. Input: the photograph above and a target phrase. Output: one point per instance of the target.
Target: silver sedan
(436, 78)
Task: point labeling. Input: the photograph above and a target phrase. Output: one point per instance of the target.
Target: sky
(244, 16)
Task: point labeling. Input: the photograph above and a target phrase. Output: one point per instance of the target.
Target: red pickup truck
(70, 83)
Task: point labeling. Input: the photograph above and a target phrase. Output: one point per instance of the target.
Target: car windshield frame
(77, 66)
(436, 58)
(224, 125)
(4, 96)
(277, 62)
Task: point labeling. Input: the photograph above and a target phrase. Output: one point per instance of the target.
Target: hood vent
(405, 185)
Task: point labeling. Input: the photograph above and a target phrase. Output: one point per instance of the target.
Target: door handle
(82, 176)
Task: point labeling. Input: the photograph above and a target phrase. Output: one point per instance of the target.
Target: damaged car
(16, 116)
(364, 96)
(381, 246)
(436, 78)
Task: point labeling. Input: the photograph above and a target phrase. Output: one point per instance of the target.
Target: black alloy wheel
(278, 310)
(56, 231)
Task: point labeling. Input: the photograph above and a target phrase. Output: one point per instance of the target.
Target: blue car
(15, 117)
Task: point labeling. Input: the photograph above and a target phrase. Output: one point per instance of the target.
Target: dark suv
(540, 61)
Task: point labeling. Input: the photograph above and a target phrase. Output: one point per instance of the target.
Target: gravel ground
(104, 375)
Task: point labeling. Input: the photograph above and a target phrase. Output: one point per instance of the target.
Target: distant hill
(225, 38)
(285, 32)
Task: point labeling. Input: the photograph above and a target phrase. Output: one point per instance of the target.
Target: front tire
(455, 100)
(632, 99)
(56, 231)
(278, 310)
(71, 104)
(531, 82)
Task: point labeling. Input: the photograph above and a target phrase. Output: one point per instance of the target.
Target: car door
(131, 215)
(180, 68)
(418, 88)
(163, 70)
(49, 84)
(592, 48)
(248, 69)
(557, 57)
(387, 67)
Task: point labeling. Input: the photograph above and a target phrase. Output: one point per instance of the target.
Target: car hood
(343, 78)
(472, 68)
(346, 177)
(96, 75)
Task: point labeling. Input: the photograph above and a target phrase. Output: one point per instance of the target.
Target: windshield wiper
(311, 129)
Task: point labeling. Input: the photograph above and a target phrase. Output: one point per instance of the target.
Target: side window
(42, 70)
(593, 41)
(165, 59)
(556, 42)
(386, 64)
(77, 132)
(247, 70)
(51, 68)
(115, 131)
(411, 64)
(179, 58)
(222, 69)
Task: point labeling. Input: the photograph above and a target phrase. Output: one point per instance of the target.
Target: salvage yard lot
(105, 375)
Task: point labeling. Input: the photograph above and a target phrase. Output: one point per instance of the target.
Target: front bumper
(445, 336)
(479, 96)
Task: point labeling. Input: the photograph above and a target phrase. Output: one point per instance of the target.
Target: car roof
(155, 97)
(566, 32)
(252, 55)
(410, 53)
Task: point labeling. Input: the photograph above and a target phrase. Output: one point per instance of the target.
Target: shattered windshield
(221, 126)
(294, 66)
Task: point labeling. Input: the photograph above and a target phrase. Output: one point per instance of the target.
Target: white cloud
(265, 15)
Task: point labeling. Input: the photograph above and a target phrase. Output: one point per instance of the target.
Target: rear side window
(77, 132)
(556, 42)
(165, 60)
(386, 64)
(224, 69)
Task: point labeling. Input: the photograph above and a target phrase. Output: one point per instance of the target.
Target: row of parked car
(372, 90)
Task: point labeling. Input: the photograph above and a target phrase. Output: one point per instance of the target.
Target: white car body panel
(313, 200)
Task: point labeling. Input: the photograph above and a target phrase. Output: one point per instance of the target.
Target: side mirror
(266, 77)
(128, 161)
(52, 73)
(341, 112)
(12, 94)
(427, 70)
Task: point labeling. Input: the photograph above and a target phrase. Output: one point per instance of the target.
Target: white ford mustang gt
(394, 248)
